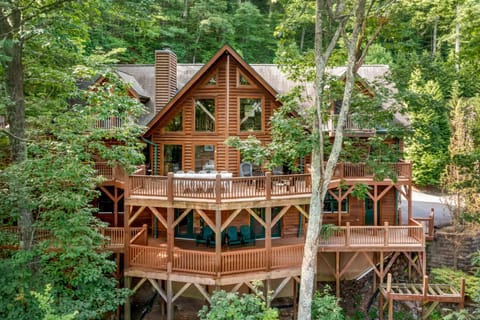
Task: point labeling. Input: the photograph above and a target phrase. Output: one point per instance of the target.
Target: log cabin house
(212, 221)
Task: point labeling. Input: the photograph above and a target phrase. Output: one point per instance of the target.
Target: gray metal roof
(142, 79)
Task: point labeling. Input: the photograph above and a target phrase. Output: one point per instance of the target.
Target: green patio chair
(205, 237)
(233, 238)
(247, 235)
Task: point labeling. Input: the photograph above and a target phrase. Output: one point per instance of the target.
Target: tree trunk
(321, 177)
(14, 78)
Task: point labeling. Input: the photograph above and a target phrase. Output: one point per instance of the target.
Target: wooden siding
(165, 77)
(227, 95)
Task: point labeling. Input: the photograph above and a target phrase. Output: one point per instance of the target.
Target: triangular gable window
(176, 124)
(243, 80)
(212, 81)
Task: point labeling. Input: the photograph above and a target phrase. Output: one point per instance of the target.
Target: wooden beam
(280, 287)
(253, 214)
(206, 219)
(160, 291)
(135, 215)
(109, 195)
(159, 216)
(180, 218)
(350, 261)
(230, 218)
(280, 215)
(204, 292)
(301, 210)
(182, 290)
(139, 284)
(372, 264)
(384, 192)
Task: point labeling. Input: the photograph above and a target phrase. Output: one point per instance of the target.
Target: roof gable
(193, 81)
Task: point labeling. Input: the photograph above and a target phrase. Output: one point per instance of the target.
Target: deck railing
(379, 236)
(282, 256)
(114, 236)
(102, 168)
(267, 187)
(428, 224)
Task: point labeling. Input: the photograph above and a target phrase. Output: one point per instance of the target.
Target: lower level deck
(265, 259)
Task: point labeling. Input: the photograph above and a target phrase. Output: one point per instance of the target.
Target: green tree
(232, 306)
(325, 306)
(428, 146)
(58, 182)
(461, 179)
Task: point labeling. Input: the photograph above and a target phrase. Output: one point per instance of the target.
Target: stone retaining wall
(452, 249)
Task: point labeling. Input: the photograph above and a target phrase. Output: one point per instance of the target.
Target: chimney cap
(165, 50)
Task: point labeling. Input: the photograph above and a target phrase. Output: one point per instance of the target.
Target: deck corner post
(218, 188)
(170, 186)
(385, 234)
(347, 234)
(268, 185)
(127, 308)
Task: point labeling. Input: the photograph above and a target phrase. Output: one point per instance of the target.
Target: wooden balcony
(114, 237)
(285, 253)
(109, 173)
(268, 187)
(351, 127)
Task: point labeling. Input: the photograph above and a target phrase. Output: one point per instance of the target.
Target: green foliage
(449, 276)
(232, 306)
(325, 306)
(428, 147)
(45, 302)
(327, 231)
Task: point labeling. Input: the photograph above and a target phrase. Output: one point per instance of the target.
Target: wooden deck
(267, 187)
(285, 253)
(422, 292)
(114, 237)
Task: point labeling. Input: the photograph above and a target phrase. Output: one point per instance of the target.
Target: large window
(250, 114)
(172, 158)
(330, 204)
(176, 124)
(205, 115)
(205, 158)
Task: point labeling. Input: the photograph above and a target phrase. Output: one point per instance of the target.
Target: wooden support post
(170, 315)
(170, 186)
(295, 293)
(409, 194)
(337, 274)
(115, 206)
(268, 237)
(382, 271)
(268, 287)
(170, 238)
(385, 235)
(127, 310)
(218, 188)
(347, 235)
(374, 284)
(375, 205)
(218, 242)
(126, 244)
(268, 185)
(389, 296)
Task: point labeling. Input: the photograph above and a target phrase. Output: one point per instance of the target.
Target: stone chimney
(165, 78)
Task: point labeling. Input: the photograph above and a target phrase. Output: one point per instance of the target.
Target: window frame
(195, 99)
(262, 115)
(334, 204)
